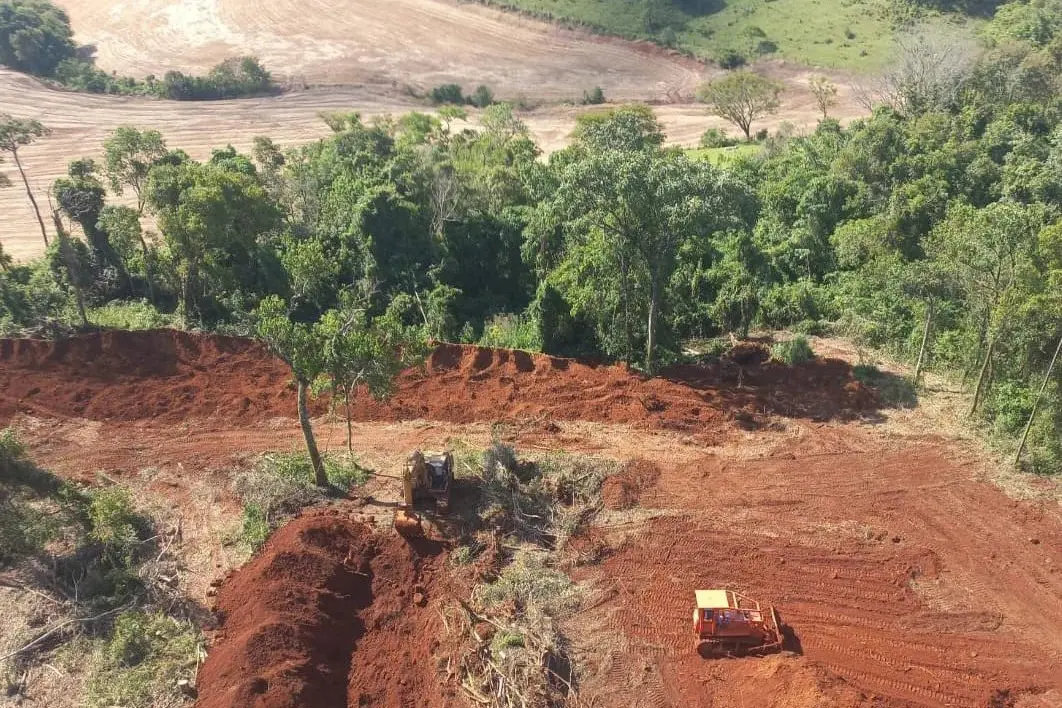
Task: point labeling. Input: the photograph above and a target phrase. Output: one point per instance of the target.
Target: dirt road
(905, 578)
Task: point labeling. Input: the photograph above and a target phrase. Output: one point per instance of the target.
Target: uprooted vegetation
(513, 652)
(99, 586)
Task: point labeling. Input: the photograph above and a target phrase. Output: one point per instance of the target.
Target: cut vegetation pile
(329, 614)
(170, 376)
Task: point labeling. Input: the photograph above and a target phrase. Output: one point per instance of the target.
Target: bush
(447, 94)
(256, 529)
(510, 331)
(1009, 406)
(730, 59)
(142, 661)
(232, 78)
(795, 351)
(594, 97)
(482, 97)
(761, 135)
(529, 580)
(132, 314)
(35, 36)
(113, 521)
(716, 138)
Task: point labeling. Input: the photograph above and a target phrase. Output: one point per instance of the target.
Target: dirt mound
(463, 384)
(624, 489)
(328, 614)
(165, 375)
(171, 376)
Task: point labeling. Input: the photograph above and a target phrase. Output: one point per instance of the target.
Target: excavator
(425, 476)
(727, 623)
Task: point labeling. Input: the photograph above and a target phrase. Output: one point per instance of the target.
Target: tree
(14, 134)
(741, 97)
(626, 213)
(35, 36)
(362, 351)
(825, 93)
(211, 219)
(81, 197)
(295, 344)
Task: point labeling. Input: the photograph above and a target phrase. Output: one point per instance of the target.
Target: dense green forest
(930, 229)
(36, 38)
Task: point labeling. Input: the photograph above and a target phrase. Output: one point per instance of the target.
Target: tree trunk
(981, 376)
(925, 338)
(1036, 403)
(147, 269)
(654, 306)
(187, 294)
(319, 476)
(350, 431)
(29, 193)
(73, 272)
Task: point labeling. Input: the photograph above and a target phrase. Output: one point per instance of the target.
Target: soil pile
(171, 376)
(165, 375)
(328, 614)
(624, 489)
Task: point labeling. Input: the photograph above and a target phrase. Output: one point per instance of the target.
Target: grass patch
(279, 485)
(853, 34)
(794, 351)
(140, 664)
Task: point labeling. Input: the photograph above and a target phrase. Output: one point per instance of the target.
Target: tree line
(36, 38)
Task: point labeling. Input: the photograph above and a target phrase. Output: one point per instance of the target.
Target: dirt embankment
(171, 376)
(329, 614)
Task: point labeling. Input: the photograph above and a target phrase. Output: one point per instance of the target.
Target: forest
(930, 230)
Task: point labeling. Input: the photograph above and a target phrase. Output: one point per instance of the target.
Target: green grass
(723, 155)
(853, 34)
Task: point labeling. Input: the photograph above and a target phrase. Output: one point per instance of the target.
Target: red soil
(171, 376)
(328, 614)
(903, 581)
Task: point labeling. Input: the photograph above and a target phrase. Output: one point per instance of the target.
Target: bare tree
(14, 134)
(929, 69)
(825, 93)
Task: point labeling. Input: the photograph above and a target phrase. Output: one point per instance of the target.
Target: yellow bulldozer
(424, 477)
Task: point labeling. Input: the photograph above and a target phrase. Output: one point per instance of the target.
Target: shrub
(255, 529)
(795, 351)
(447, 94)
(511, 331)
(113, 520)
(132, 314)
(594, 97)
(12, 451)
(716, 138)
(481, 97)
(1009, 406)
(529, 580)
(761, 134)
(730, 59)
(140, 664)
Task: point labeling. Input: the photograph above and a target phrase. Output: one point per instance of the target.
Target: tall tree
(741, 97)
(825, 93)
(295, 344)
(16, 133)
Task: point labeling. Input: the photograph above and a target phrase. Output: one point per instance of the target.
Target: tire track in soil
(959, 606)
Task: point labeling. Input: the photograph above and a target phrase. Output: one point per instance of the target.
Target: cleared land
(905, 577)
(358, 57)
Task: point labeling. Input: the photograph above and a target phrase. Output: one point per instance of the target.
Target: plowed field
(904, 578)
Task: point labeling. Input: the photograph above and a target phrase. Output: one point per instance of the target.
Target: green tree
(211, 219)
(741, 97)
(16, 133)
(35, 36)
(295, 343)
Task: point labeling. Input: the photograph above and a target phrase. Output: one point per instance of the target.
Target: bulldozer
(727, 623)
(425, 476)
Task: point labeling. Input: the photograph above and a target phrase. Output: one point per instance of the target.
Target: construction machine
(424, 476)
(727, 623)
